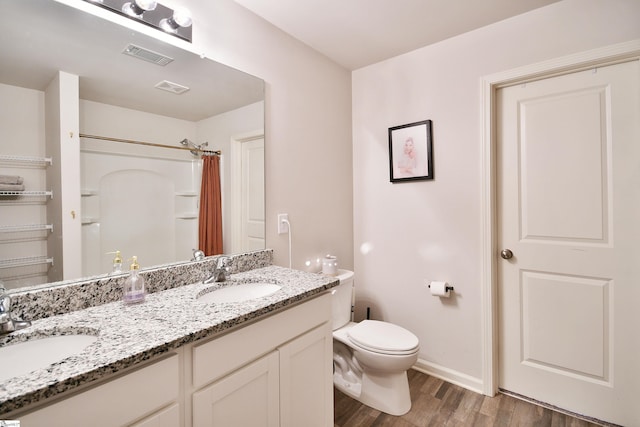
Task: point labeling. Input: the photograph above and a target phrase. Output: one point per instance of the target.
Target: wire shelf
(27, 193)
(26, 159)
(25, 227)
(24, 262)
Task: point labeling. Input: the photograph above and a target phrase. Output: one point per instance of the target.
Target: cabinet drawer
(116, 402)
(221, 355)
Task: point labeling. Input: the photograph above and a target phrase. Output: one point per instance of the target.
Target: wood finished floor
(438, 403)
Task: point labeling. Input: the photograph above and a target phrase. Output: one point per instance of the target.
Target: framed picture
(410, 152)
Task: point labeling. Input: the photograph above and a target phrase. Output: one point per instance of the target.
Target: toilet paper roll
(440, 289)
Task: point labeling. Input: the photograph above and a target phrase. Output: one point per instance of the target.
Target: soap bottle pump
(133, 285)
(117, 263)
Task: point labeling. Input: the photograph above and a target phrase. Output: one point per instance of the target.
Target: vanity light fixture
(150, 12)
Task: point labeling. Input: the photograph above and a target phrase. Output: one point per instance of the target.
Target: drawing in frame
(410, 152)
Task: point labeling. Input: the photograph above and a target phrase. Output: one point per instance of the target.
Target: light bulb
(146, 4)
(137, 7)
(180, 18)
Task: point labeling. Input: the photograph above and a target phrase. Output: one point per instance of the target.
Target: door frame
(600, 57)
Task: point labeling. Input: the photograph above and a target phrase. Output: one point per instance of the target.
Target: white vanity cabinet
(148, 396)
(275, 372)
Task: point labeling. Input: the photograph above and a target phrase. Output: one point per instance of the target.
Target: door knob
(506, 254)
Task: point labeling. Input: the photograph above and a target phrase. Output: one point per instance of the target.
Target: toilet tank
(342, 297)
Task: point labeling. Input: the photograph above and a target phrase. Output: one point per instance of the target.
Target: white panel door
(568, 182)
(253, 222)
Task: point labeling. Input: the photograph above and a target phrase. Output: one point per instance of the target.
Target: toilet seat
(383, 337)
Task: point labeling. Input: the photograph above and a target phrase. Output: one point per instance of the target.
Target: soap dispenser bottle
(133, 285)
(117, 263)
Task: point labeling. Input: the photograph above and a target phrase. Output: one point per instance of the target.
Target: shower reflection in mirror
(181, 209)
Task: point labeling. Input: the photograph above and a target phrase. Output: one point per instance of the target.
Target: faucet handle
(222, 262)
(198, 255)
(5, 301)
(6, 324)
(220, 271)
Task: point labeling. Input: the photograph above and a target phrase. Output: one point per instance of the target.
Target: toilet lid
(383, 337)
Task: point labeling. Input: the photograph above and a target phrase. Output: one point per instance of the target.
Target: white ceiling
(356, 33)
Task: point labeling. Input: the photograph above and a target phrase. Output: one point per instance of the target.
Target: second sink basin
(23, 357)
(239, 292)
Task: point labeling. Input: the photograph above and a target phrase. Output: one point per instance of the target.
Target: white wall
(63, 176)
(431, 230)
(101, 119)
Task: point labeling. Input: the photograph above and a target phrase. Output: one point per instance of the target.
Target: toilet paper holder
(446, 288)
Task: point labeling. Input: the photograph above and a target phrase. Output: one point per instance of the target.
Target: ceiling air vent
(146, 55)
(172, 87)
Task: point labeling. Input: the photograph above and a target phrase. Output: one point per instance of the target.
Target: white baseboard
(449, 375)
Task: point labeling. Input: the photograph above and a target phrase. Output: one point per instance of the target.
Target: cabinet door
(246, 397)
(306, 379)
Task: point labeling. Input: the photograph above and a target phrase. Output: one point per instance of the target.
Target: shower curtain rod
(131, 141)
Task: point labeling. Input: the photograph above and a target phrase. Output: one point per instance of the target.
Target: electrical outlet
(283, 224)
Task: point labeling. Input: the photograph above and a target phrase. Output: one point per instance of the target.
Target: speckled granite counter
(128, 335)
(42, 301)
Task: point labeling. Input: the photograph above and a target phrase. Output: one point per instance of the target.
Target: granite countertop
(131, 334)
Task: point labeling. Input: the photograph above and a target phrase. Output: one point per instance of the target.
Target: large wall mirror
(57, 63)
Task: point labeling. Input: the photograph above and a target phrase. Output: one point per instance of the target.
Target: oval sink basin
(240, 292)
(27, 356)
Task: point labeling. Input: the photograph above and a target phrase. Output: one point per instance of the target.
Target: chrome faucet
(198, 255)
(220, 271)
(7, 324)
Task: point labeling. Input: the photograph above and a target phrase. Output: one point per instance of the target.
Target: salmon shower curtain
(210, 222)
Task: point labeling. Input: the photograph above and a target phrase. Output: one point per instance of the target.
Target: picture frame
(411, 152)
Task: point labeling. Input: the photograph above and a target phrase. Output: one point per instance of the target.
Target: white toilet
(370, 358)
